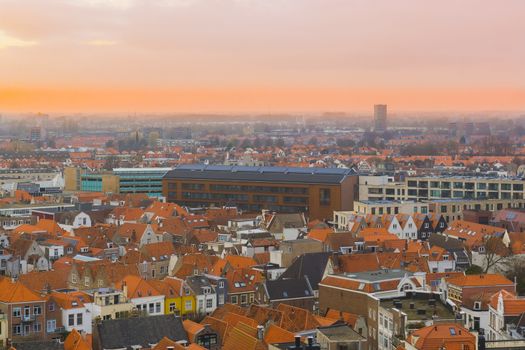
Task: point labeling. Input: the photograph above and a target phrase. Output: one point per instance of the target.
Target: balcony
(28, 318)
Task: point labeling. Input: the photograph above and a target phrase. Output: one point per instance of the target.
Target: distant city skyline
(260, 56)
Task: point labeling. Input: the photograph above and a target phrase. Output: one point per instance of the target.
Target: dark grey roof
(196, 283)
(144, 331)
(260, 174)
(312, 265)
(291, 288)
(39, 345)
(448, 243)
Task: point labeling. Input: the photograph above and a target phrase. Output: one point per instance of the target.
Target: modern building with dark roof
(314, 191)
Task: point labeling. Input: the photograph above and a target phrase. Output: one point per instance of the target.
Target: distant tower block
(380, 118)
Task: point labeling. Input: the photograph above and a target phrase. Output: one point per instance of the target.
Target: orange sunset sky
(261, 55)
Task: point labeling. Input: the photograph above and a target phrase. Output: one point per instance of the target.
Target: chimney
(260, 332)
(297, 342)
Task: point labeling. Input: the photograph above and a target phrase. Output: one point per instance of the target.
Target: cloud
(101, 42)
(7, 41)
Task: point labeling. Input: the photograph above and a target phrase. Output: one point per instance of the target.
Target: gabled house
(506, 311)
(26, 255)
(140, 234)
(284, 226)
(205, 295)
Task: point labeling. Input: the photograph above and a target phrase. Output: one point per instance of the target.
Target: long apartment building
(440, 187)
(314, 191)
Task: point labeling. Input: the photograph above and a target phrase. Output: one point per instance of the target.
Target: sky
(165, 56)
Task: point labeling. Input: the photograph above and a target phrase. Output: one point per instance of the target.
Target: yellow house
(179, 299)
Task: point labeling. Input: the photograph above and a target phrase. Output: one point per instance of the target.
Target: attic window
(452, 331)
(361, 286)
(477, 305)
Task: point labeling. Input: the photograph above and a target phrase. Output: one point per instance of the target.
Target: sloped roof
(311, 265)
(124, 332)
(16, 292)
(289, 288)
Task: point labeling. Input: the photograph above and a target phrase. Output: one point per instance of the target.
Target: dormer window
(477, 305)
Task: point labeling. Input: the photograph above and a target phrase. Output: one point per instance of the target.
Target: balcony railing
(28, 318)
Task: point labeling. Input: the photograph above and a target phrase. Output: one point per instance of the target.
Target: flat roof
(260, 174)
(438, 310)
(145, 170)
(378, 275)
(383, 201)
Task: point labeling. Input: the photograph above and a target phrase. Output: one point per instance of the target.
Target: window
(209, 303)
(86, 281)
(324, 196)
(51, 325)
(151, 308)
(27, 311)
(37, 327)
(73, 277)
(477, 305)
(16, 312)
(244, 299)
(71, 320)
(188, 305)
(17, 329)
(221, 284)
(233, 299)
(37, 310)
(157, 307)
(172, 307)
(79, 319)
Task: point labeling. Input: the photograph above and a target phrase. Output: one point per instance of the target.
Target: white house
(75, 312)
(205, 294)
(142, 295)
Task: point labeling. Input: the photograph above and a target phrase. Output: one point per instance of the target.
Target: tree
(474, 270)
(495, 253)
(516, 271)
